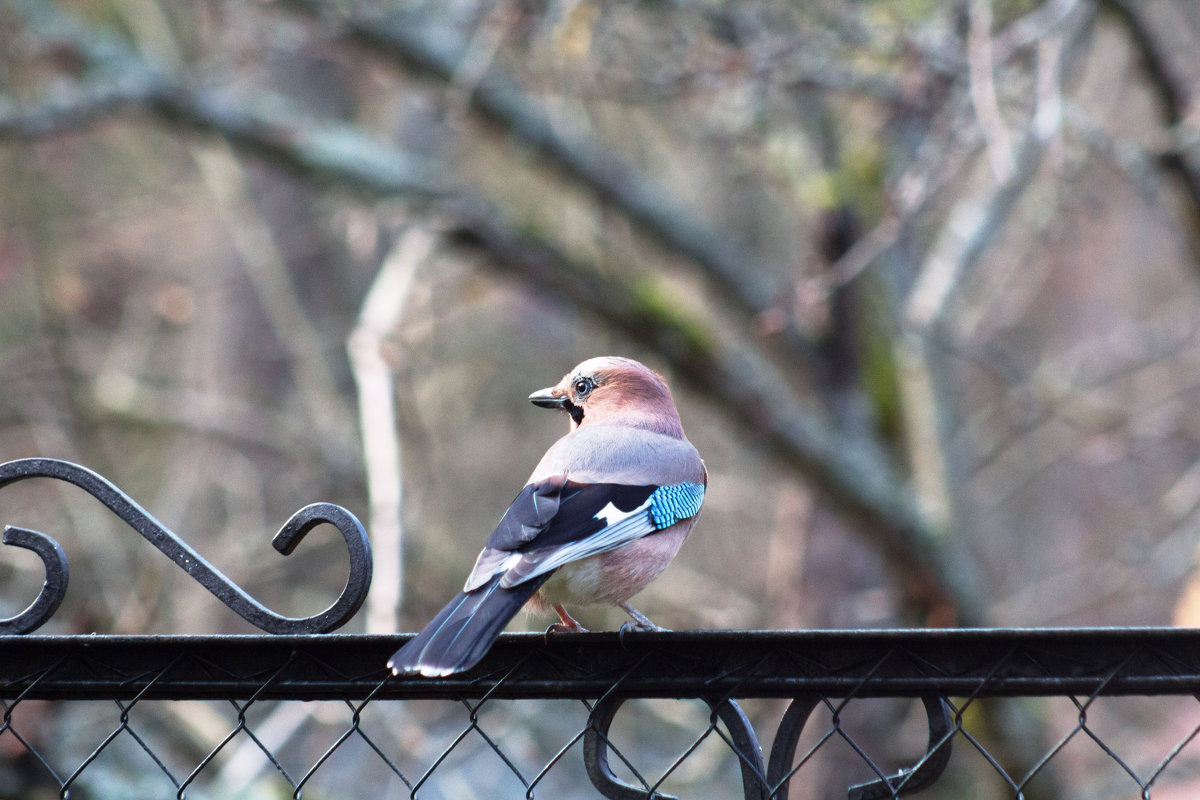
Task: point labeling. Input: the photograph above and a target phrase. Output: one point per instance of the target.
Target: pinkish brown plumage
(603, 514)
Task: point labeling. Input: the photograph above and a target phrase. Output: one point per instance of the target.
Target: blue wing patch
(669, 504)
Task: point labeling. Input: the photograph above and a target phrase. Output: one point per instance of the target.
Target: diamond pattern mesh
(164, 733)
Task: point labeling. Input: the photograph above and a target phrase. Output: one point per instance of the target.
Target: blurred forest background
(924, 276)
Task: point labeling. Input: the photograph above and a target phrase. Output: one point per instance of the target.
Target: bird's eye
(583, 386)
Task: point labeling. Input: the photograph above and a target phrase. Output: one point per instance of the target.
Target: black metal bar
(701, 664)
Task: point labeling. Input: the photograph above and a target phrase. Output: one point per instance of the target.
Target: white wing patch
(612, 515)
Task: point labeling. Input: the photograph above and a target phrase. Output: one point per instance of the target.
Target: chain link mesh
(163, 734)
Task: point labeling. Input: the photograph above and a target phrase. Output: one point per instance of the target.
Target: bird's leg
(640, 621)
(568, 625)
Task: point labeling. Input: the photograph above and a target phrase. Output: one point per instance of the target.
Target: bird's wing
(529, 515)
(551, 525)
(547, 526)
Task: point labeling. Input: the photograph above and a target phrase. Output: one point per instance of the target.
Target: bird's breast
(613, 577)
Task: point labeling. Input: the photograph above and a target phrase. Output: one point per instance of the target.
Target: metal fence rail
(822, 677)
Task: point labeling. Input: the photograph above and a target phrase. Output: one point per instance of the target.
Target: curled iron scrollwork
(742, 740)
(285, 541)
(53, 589)
(907, 781)
(927, 770)
(771, 782)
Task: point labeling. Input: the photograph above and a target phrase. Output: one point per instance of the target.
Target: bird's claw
(638, 627)
(641, 626)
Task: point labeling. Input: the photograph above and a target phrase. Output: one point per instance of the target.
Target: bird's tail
(462, 632)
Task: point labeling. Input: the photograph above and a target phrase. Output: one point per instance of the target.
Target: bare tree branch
(971, 226)
(73, 108)
(1173, 95)
(980, 58)
(735, 271)
(382, 310)
(323, 152)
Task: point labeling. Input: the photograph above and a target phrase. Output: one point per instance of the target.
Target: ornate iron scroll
(53, 589)
(595, 751)
(907, 781)
(771, 782)
(927, 770)
(290, 535)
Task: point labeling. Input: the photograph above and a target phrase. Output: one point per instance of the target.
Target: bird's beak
(545, 398)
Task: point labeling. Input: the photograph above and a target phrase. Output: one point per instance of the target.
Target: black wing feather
(556, 511)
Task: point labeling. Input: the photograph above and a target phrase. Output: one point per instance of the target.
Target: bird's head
(613, 388)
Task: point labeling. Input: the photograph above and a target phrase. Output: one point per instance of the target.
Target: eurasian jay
(603, 513)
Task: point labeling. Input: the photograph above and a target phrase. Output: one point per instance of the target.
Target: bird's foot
(567, 623)
(626, 627)
(640, 621)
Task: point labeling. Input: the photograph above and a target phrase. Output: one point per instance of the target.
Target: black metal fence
(865, 714)
(1085, 713)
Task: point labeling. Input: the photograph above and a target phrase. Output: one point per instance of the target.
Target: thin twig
(983, 91)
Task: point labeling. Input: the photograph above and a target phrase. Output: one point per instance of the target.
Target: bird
(603, 513)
